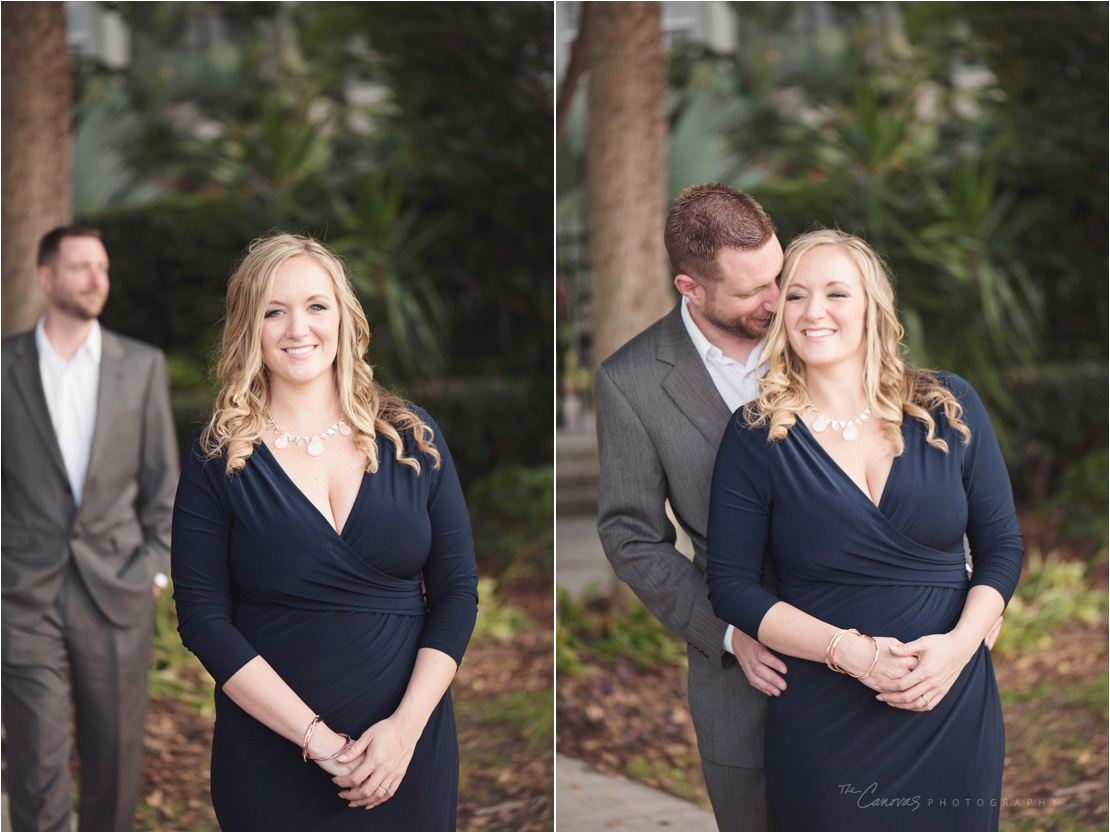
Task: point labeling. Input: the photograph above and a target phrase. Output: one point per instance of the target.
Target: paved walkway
(586, 801)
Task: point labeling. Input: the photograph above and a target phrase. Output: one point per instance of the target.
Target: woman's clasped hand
(377, 763)
(874, 663)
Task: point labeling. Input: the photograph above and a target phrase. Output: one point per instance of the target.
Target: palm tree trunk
(36, 140)
(626, 161)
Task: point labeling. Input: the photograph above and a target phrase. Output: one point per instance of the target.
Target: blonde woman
(323, 566)
(860, 476)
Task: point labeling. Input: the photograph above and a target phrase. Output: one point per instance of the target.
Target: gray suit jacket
(660, 421)
(119, 537)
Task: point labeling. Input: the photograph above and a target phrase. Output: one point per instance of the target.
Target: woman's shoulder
(745, 429)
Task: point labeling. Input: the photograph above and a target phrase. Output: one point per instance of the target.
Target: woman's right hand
(326, 742)
(856, 654)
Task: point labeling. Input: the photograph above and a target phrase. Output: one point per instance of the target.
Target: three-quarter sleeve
(200, 567)
(992, 527)
(450, 574)
(739, 528)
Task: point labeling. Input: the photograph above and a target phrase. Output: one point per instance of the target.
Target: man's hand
(760, 665)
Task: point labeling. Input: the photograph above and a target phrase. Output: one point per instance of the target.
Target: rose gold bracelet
(874, 661)
(308, 735)
(830, 651)
(346, 745)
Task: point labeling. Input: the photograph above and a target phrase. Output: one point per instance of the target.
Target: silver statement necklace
(851, 432)
(315, 443)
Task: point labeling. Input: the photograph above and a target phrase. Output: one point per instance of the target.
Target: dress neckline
(315, 508)
(844, 474)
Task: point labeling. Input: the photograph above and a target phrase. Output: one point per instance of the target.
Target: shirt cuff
(160, 580)
(729, 630)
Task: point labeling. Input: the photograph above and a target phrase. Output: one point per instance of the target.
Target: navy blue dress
(837, 759)
(258, 570)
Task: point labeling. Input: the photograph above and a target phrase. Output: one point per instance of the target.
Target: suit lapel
(107, 397)
(27, 379)
(688, 382)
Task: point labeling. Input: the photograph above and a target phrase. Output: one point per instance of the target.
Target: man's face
(743, 300)
(76, 283)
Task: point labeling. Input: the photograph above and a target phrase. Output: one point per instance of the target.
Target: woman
(860, 477)
(310, 510)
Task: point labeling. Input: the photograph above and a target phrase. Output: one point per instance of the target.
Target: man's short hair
(707, 218)
(51, 243)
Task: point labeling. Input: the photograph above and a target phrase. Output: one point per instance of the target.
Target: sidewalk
(586, 801)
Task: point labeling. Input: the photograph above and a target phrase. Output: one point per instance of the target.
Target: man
(90, 467)
(663, 402)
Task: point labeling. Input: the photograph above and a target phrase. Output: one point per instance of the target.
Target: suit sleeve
(992, 527)
(450, 575)
(202, 524)
(158, 479)
(739, 528)
(636, 534)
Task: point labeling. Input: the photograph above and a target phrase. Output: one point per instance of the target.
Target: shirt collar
(707, 351)
(90, 349)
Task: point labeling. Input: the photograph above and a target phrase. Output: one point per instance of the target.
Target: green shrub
(175, 673)
(512, 511)
(591, 632)
(495, 620)
(1052, 593)
(1083, 496)
(1062, 417)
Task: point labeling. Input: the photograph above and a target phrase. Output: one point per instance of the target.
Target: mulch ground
(634, 721)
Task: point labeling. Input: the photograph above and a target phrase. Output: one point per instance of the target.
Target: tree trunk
(37, 148)
(627, 166)
(626, 161)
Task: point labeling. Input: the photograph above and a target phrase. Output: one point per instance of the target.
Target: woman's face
(825, 309)
(300, 330)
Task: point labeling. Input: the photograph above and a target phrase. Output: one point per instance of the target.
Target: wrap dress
(836, 758)
(258, 570)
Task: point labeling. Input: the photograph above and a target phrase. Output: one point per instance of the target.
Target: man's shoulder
(16, 346)
(638, 354)
(129, 347)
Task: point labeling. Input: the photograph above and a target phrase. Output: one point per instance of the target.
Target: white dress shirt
(737, 383)
(71, 388)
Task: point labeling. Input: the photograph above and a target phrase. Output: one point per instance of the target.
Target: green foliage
(598, 632)
(175, 673)
(490, 421)
(527, 713)
(1052, 592)
(661, 774)
(495, 620)
(1083, 497)
(426, 169)
(513, 517)
(1063, 419)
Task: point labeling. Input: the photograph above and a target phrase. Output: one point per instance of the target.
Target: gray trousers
(739, 797)
(74, 651)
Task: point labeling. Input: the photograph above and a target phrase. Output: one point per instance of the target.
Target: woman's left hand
(381, 757)
(940, 660)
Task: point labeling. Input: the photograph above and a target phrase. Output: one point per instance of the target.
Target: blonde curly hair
(892, 388)
(238, 416)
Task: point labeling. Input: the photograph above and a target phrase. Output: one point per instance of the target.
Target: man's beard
(750, 327)
(85, 309)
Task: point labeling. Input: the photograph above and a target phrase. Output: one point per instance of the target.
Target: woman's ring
(927, 702)
(384, 786)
